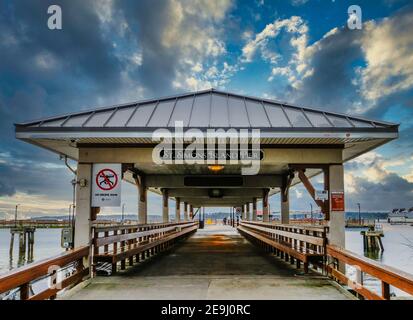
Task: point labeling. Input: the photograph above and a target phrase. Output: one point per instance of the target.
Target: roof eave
(23, 132)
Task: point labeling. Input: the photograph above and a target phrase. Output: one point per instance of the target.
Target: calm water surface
(398, 251)
(46, 244)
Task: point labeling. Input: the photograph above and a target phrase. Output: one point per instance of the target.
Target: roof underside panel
(205, 109)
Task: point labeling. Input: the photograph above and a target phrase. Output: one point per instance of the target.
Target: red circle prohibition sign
(106, 179)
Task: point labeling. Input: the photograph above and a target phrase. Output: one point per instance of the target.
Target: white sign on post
(106, 185)
(321, 195)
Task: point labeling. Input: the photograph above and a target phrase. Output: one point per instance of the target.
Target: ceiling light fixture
(216, 168)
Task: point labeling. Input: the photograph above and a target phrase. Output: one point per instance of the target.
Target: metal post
(123, 212)
(15, 215)
(311, 213)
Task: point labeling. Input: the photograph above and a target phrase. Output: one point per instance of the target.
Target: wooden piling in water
(26, 243)
(372, 240)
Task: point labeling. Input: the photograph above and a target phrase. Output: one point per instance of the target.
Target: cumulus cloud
(262, 40)
(374, 177)
(346, 70)
(178, 40)
(387, 46)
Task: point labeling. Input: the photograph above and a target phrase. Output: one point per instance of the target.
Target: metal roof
(206, 109)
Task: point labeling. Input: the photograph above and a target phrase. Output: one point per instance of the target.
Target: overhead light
(215, 168)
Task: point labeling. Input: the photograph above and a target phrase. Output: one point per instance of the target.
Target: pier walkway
(215, 263)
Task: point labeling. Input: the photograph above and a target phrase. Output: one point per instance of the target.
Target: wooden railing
(308, 244)
(129, 242)
(68, 266)
(387, 275)
(294, 243)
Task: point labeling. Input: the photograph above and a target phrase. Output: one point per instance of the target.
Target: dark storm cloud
(86, 64)
(147, 20)
(35, 178)
(331, 86)
(392, 192)
(44, 72)
(339, 59)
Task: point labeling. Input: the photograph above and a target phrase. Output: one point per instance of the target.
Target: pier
(214, 263)
(178, 259)
(25, 236)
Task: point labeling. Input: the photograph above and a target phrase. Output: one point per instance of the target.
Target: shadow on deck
(215, 263)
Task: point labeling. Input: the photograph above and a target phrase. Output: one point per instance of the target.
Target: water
(46, 245)
(397, 241)
(398, 252)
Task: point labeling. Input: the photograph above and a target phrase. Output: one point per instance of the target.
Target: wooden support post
(178, 210)
(265, 209)
(254, 209)
(326, 210)
(165, 206)
(305, 267)
(186, 218)
(106, 246)
(11, 244)
(24, 291)
(307, 184)
(142, 205)
(284, 197)
(385, 290)
(122, 246)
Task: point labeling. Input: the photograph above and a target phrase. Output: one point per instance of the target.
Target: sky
(110, 52)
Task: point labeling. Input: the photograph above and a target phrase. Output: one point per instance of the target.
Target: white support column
(265, 209)
(244, 215)
(186, 218)
(165, 206)
(178, 210)
(254, 209)
(285, 206)
(143, 199)
(83, 205)
(191, 211)
(337, 218)
(336, 234)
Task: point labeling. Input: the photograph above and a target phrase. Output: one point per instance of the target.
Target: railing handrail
(293, 226)
(390, 275)
(33, 271)
(313, 239)
(134, 226)
(105, 240)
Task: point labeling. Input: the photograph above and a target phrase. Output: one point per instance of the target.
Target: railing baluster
(385, 290)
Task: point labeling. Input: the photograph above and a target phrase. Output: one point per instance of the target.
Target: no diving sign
(106, 188)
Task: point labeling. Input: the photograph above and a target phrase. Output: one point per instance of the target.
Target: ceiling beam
(216, 181)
